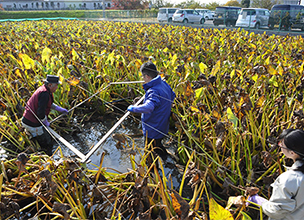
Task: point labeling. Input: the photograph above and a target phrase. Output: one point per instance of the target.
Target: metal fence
(285, 21)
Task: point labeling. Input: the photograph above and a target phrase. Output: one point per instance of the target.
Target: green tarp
(38, 19)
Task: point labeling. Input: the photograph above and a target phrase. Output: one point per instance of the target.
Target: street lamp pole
(103, 9)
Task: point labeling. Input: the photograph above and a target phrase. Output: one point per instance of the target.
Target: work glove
(46, 123)
(257, 199)
(145, 108)
(131, 108)
(60, 109)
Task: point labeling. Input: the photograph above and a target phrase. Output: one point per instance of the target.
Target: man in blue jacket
(156, 107)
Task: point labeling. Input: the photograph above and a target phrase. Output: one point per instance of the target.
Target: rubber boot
(46, 143)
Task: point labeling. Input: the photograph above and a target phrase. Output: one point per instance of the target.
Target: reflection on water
(115, 158)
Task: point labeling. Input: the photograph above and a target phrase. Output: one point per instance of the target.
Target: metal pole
(103, 9)
(127, 82)
(112, 83)
(109, 133)
(66, 143)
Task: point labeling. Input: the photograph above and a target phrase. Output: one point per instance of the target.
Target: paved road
(207, 24)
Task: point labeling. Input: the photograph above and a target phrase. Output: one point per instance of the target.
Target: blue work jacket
(156, 124)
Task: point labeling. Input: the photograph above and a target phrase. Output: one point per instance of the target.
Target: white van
(165, 14)
(208, 15)
(253, 18)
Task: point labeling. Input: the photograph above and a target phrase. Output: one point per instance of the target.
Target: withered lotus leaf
(180, 206)
(251, 191)
(62, 208)
(235, 200)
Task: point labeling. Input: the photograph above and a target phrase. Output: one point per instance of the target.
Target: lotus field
(236, 92)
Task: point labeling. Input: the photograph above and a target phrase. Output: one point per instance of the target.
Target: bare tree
(130, 4)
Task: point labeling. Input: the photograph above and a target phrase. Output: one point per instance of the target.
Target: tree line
(156, 4)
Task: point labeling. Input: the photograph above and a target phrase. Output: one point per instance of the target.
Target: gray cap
(52, 79)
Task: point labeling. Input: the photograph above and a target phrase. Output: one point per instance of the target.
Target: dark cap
(52, 79)
(149, 68)
(294, 141)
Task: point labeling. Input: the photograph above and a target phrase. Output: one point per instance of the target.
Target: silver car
(253, 18)
(188, 16)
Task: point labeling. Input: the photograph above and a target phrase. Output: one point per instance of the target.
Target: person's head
(52, 82)
(292, 143)
(149, 71)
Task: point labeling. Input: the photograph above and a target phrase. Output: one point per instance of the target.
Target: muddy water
(116, 158)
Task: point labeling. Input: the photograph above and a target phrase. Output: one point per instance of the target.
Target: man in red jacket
(38, 108)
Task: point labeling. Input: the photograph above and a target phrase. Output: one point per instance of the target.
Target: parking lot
(209, 24)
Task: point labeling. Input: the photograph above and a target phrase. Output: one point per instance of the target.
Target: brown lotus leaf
(97, 195)
(140, 174)
(267, 158)
(75, 175)
(101, 178)
(53, 187)
(131, 93)
(131, 152)
(46, 174)
(238, 201)
(180, 206)
(255, 160)
(251, 191)
(119, 137)
(220, 128)
(196, 178)
(215, 113)
(226, 186)
(14, 208)
(208, 144)
(71, 165)
(22, 158)
(62, 209)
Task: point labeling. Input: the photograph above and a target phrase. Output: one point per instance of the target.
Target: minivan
(165, 14)
(253, 18)
(286, 17)
(226, 15)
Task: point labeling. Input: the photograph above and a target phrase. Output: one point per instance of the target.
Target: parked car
(208, 15)
(226, 15)
(253, 18)
(188, 15)
(286, 17)
(165, 14)
(212, 14)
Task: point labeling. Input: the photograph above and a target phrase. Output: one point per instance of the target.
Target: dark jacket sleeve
(43, 99)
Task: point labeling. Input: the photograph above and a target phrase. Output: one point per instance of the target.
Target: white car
(165, 14)
(188, 16)
(253, 18)
(208, 15)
